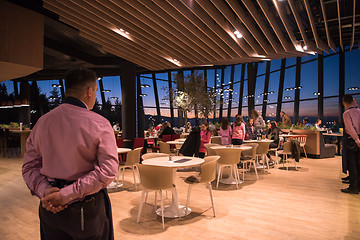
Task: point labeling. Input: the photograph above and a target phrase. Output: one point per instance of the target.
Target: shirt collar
(75, 102)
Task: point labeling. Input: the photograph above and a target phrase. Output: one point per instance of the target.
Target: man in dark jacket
(167, 130)
(192, 143)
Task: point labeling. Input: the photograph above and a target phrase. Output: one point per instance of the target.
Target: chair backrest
(263, 148)
(209, 151)
(153, 155)
(252, 152)
(164, 147)
(300, 138)
(138, 142)
(133, 156)
(166, 138)
(150, 141)
(175, 136)
(228, 156)
(208, 169)
(155, 177)
(287, 147)
(119, 142)
(216, 139)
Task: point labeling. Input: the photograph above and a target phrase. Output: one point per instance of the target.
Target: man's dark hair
(306, 119)
(78, 78)
(348, 98)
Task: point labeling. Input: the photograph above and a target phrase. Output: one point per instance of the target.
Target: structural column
(252, 70)
(231, 91)
(341, 84)
(281, 89)
(321, 86)
(171, 99)
(128, 110)
(140, 109)
(297, 90)
(241, 93)
(266, 89)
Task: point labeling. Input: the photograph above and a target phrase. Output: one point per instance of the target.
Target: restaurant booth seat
(315, 145)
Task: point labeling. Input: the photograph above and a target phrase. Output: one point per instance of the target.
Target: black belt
(88, 201)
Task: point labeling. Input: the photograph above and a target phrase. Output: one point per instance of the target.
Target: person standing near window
(352, 133)
(286, 120)
(238, 131)
(69, 166)
(259, 122)
(205, 137)
(225, 132)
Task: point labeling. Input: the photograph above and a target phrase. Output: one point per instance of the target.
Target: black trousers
(201, 155)
(235, 141)
(353, 161)
(67, 224)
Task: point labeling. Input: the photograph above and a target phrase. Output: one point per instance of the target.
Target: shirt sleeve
(105, 169)
(244, 131)
(349, 127)
(36, 182)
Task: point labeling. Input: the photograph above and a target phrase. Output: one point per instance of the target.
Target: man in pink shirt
(352, 130)
(70, 158)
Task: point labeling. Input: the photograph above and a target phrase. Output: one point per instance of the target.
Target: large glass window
(271, 111)
(235, 95)
(275, 65)
(331, 109)
(289, 84)
(274, 81)
(211, 78)
(112, 84)
(261, 68)
(309, 80)
(308, 109)
(237, 73)
(147, 90)
(331, 75)
(352, 72)
(245, 93)
(290, 61)
(259, 89)
(288, 108)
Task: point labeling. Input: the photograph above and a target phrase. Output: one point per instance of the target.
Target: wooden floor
(304, 204)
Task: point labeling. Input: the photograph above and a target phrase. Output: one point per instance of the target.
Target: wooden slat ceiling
(171, 34)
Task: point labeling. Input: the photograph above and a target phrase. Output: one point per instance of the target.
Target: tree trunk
(185, 116)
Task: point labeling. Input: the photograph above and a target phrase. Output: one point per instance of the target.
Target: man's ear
(89, 92)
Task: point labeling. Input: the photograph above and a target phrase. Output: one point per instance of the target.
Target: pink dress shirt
(239, 132)
(226, 135)
(73, 144)
(352, 122)
(205, 137)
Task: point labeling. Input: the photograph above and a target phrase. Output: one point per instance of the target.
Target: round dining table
(175, 163)
(231, 179)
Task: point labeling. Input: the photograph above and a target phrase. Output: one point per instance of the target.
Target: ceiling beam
(163, 13)
(162, 27)
(339, 20)
(319, 43)
(190, 26)
(251, 36)
(353, 27)
(309, 44)
(186, 12)
(272, 21)
(117, 16)
(107, 35)
(331, 43)
(289, 30)
(213, 26)
(261, 23)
